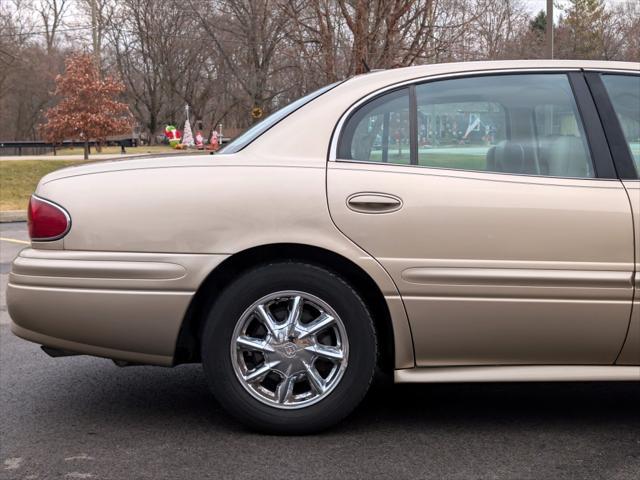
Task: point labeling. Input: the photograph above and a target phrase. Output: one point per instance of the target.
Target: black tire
(242, 293)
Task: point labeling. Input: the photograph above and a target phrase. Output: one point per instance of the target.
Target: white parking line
(15, 240)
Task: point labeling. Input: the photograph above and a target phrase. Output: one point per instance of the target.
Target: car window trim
(385, 137)
(596, 141)
(605, 171)
(613, 133)
(413, 125)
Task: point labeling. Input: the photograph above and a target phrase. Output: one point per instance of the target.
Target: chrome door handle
(368, 202)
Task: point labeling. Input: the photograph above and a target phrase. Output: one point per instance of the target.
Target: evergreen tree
(583, 29)
(539, 23)
(187, 135)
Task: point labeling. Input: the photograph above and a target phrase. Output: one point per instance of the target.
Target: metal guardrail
(36, 147)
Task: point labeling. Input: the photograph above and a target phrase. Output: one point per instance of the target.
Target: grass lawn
(116, 150)
(18, 179)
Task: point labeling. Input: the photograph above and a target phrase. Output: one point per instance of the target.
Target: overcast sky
(537, 5)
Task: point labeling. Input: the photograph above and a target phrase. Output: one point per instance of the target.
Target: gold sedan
(446, 223)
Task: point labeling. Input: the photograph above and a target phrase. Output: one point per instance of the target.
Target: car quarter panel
(166, 215)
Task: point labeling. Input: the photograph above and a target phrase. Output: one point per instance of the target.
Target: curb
(9, 216)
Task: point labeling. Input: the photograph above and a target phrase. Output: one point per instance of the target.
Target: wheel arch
(188, 343)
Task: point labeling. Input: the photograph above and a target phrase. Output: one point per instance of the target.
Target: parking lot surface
(82, 417)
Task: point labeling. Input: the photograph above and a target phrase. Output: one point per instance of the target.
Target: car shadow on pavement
(515, 404)
(149, 394)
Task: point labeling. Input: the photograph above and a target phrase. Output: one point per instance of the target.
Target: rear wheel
(289, 348)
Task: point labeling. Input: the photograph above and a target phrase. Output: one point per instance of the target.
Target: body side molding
(518, 276)
(519, 373)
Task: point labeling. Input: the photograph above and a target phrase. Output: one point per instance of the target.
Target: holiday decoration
(174, 136)
(214, 144)
(256, 112)
(187, 139)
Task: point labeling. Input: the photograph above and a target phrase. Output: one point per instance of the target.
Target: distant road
(103, 156)
(99, 156)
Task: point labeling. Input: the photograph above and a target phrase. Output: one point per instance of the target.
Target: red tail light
(46, 220)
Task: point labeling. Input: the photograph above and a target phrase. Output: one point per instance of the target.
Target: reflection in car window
(259, 128)
(459, 134)
(624, 92)
(381, 130)
(520, 124)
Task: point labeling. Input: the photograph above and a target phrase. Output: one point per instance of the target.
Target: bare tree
(136, 34)
(26, 72)
(52, 13)
(247, 34)
(9, 46)
(318, 34)
(619, 29)
(191, 71)
(627, 28)
(100, 14)
(226, 57)
(359, 35)
(496, 24)
(387, 33)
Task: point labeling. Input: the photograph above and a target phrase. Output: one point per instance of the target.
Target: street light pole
(549, 29)
(95, 34)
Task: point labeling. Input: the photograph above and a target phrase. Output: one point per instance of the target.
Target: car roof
(303, 136)
(408, 73)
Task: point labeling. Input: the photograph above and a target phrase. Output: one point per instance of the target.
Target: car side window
(379, 131)
(519, 124)
(624, 92)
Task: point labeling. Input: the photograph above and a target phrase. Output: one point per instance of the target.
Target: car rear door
(617, 96)
(493, 203)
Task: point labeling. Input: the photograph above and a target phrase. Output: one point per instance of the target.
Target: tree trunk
(86, 150)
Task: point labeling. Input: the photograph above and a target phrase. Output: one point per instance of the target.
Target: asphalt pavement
(85, 418)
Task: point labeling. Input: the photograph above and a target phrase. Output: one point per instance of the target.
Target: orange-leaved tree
(88, 108)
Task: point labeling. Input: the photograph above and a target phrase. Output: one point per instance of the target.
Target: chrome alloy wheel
(289, 349)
